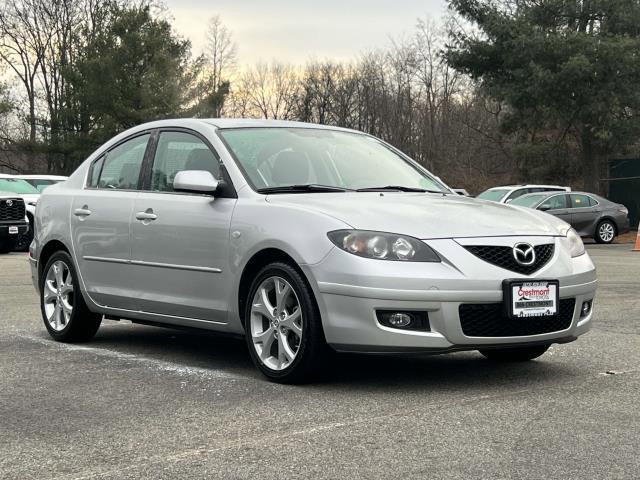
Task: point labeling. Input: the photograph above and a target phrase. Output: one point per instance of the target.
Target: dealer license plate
(13, 230)
(532, 299)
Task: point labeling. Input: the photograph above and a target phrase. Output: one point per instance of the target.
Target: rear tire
(283, 328)
(605, 232)
(517, 354)
(64, 311)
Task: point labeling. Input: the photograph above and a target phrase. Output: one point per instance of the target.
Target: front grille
(503, 257)
(490, 320)
(12, 212)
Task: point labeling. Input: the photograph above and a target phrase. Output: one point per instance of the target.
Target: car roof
(223, 123)
(44, 177)
(550, 194)
(544, 194)
(528, 185)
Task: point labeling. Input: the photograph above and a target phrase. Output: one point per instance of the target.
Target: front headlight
(383, 246)
(576, 247)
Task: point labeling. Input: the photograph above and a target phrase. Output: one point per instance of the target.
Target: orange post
(637, 247)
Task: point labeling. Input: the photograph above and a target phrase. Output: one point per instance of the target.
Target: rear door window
(580, 201)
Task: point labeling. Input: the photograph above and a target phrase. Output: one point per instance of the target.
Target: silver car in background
(304, 239)
(589, 214)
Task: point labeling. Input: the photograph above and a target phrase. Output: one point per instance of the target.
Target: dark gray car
(589, 214)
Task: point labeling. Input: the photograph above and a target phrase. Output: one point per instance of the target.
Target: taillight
(624, 210)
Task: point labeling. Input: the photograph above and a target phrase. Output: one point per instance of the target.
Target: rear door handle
(82, 212)
(146, 216)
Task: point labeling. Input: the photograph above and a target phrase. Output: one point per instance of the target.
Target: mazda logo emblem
(9, 203)
(524, 254)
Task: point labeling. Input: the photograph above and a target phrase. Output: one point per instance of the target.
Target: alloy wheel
(58, 295)
(606, 232)
(276, 323)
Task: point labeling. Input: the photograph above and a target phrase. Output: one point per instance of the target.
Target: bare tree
(269, 91)
(22, 49)
(221, 51)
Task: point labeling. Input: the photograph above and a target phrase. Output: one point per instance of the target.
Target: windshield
(281, 157)
(15, 185)
(527, 200)
(493, 195)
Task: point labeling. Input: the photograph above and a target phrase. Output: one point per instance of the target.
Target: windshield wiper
(398, 188)
(303, 188)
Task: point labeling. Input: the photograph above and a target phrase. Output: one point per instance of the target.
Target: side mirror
(544, 207)
(197, 181)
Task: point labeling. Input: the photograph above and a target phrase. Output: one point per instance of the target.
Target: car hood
(425, 215)
(29, 197)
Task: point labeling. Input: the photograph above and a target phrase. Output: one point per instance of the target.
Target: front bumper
(349, 301)
(624, 226)
(4, 230)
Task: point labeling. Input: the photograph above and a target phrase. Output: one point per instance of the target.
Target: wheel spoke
(67, 286)
(57, 312)
(263, 305)
(266, 344)
(49, 292)
(293, 322)
(57, 271)
(297, 329)
(282, 293)
(261, 337)
(66, 306)
(285, 354)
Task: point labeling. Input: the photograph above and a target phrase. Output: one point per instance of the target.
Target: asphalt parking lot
(143, 402)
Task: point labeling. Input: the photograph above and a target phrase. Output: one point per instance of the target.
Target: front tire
(605, 232)
(64, 311)
(283, 326)
(517, 354)
(24, 239)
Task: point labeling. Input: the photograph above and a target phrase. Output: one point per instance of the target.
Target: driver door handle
(82, 212)
(147, 215)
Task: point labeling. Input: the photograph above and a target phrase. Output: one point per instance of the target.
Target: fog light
(586, 308)
(403, 320)
(399, 320)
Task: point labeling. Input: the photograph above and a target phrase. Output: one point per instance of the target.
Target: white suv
(511, 192)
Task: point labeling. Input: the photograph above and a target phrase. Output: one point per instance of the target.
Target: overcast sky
(294, 30)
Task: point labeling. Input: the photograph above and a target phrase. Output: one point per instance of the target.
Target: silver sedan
(304, 239)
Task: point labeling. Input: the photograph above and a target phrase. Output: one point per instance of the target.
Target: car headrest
(129, 176)
(202, 159)
(290, 168)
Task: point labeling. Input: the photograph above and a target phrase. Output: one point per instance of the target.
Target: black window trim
(105, 154)
(225, 189)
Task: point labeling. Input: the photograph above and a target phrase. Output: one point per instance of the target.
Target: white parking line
(152, 363)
